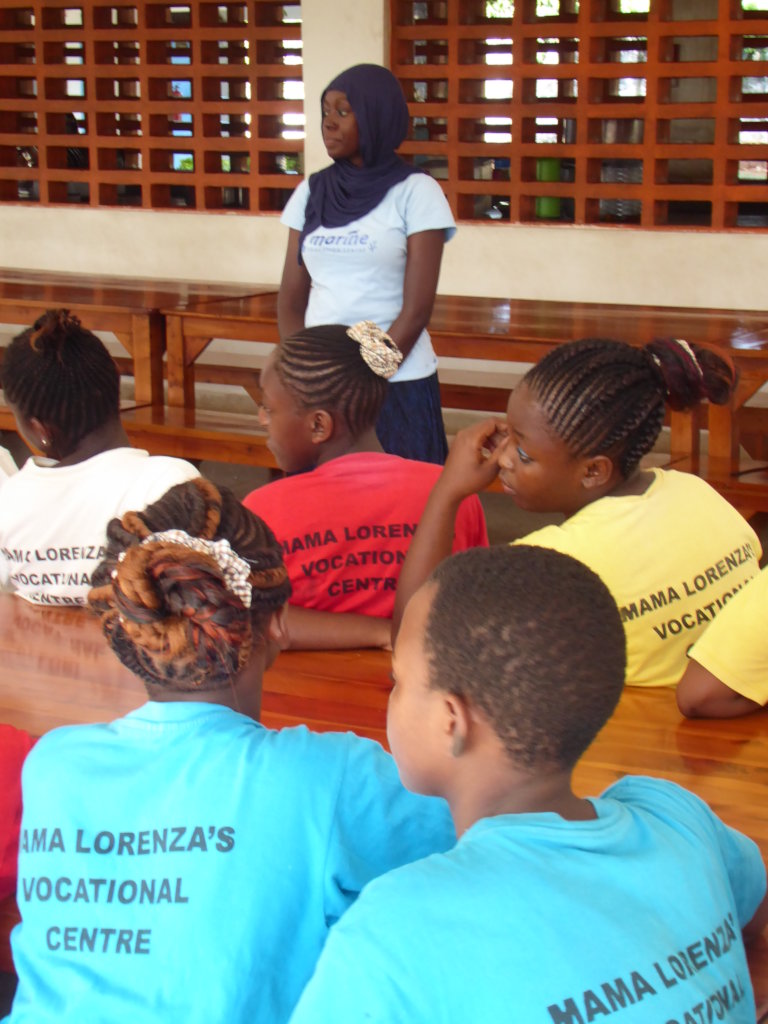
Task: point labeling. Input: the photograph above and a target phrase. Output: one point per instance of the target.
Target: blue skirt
(410, 423)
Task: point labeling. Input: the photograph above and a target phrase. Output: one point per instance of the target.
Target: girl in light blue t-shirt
(184, 863)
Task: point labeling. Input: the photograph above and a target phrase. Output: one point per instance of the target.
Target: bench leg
(685, 435)
(147, 345)
(181, 373)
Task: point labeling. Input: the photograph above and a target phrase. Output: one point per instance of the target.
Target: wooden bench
(505, 335)
(254, 319)
(9, 918)
(199, 434)
(526, 329)
(506, 331)
(501, 336)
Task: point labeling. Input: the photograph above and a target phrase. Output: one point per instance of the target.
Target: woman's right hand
(472, 463)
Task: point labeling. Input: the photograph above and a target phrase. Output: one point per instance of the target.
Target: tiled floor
(505, 521)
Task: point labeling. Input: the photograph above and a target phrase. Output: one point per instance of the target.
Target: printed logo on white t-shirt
(345, 243)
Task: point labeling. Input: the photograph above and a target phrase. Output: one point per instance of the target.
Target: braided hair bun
(602, 396)
(171, 612)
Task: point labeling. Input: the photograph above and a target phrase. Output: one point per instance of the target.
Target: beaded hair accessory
(236, 571)
(376, 347)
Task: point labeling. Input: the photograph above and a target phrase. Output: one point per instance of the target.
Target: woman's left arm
(422, 269)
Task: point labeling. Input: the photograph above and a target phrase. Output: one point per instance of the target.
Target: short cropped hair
(60, 373)
(532, 638)
(166, 609)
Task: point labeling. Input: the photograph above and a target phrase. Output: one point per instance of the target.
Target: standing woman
(366, 241)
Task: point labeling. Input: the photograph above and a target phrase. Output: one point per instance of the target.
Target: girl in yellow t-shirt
(670, 549)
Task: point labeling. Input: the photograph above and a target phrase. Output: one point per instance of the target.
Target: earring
(457, 746)
(44, 442)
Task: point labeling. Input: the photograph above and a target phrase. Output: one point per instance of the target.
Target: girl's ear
(277, 630)
(598, 471)
(321, 426)
(41, 434)
(458, 720)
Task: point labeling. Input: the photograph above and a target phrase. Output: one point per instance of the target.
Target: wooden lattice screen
(607, 111)
(196, 105)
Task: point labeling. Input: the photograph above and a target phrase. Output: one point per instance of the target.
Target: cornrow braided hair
(607, 397)
(322, 367)
(166, 609)
(60, 373)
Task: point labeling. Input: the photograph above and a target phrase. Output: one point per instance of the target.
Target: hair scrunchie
(235, 570)
(376, 347)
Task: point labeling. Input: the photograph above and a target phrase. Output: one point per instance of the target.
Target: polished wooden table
(57, 670)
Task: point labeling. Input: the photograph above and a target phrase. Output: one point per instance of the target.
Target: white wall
(725, 269)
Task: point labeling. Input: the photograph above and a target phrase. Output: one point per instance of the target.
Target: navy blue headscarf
(343, 192)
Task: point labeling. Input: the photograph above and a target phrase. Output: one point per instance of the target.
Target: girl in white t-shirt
(366, 241)
(63, 388)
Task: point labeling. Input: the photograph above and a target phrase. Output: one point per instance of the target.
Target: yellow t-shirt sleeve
(734, 648)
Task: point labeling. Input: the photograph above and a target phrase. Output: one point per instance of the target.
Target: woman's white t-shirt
(357, 270)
